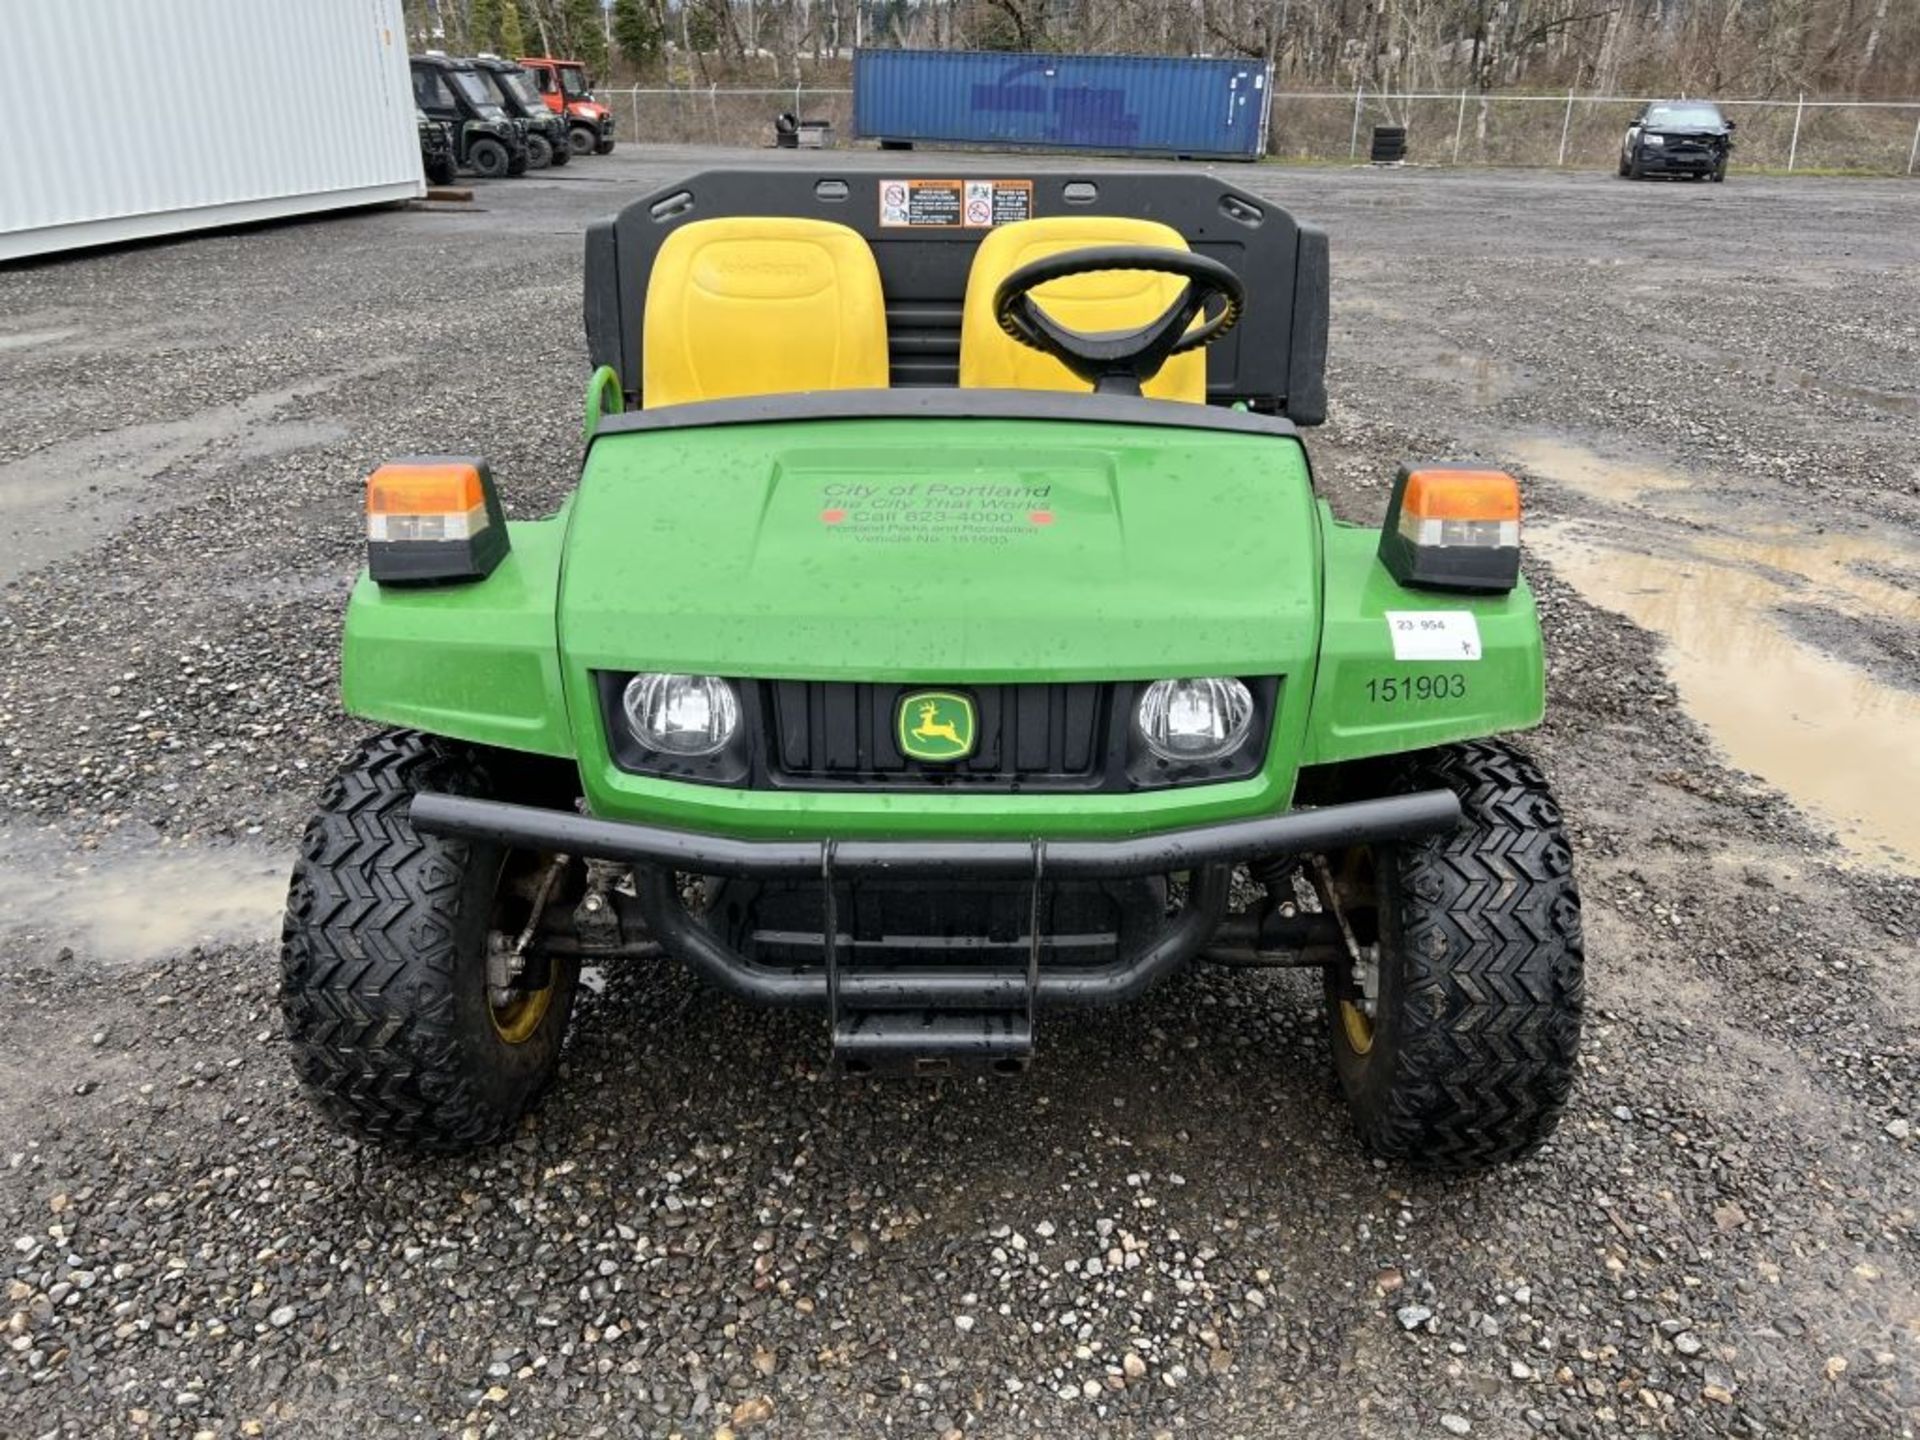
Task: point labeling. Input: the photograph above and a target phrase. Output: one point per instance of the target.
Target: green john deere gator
(944, 616)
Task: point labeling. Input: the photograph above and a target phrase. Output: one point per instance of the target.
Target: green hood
(822, 550)
(963, 550)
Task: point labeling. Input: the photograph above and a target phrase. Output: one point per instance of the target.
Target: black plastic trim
(1493, 571)
(1272, 360)
(930, 404)
(601, 308)
(1307, 354)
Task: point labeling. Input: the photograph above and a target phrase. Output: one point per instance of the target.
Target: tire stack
(1389, 145)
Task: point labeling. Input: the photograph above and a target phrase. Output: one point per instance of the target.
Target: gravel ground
(1166, 1228)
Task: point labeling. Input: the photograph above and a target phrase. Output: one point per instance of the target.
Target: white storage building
(201, 113)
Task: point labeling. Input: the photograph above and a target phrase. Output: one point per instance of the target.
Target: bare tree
(1754, 47)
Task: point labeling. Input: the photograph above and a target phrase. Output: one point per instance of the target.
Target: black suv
(1677, 137)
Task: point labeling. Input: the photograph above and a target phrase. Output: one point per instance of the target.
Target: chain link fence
(1584, 131)
(717, 116)
(1443, 128)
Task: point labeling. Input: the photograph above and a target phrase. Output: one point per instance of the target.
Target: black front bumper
(941, 1008)
(1299, 832)
(1687, 161)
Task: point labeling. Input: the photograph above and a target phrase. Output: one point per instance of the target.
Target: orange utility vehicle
(563, 85)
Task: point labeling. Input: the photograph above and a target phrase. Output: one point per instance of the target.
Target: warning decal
(954, 204)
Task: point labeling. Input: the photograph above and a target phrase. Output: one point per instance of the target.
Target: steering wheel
(1119, 362)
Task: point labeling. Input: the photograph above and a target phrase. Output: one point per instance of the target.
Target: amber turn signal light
(433, 519)
(1453, 527)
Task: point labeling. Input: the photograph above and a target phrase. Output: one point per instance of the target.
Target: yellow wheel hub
(1357, 1027)
(516, 1021)
(516, 1014)
(1355, 880)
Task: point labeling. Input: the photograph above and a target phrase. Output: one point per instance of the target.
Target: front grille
(1047, 736)
(843, 735)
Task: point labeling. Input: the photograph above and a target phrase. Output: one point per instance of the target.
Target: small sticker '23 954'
(1434, 635)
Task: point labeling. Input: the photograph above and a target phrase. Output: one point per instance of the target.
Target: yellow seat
(762, 305)
(1112, 300)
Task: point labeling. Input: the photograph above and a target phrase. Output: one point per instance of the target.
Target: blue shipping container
(1135, 103)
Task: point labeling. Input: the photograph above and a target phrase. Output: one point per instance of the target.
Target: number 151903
(1401, 689)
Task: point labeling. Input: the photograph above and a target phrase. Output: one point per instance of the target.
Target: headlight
(689, 715)
(1189, 721)
(1653, 139)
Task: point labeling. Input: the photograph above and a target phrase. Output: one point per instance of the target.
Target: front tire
(396, 1035)
(441, 171)
(1467, 1057)
(539, 152)
(581, 139)
(488, 159)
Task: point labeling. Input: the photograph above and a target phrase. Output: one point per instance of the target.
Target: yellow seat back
(1113, 300)
(762, 305)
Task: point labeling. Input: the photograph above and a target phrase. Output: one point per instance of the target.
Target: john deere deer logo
(936, 725)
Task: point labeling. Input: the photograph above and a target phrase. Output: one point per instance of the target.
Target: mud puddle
(129, 905)
(1838, 740)
(1484, 381)
(1594, 475)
